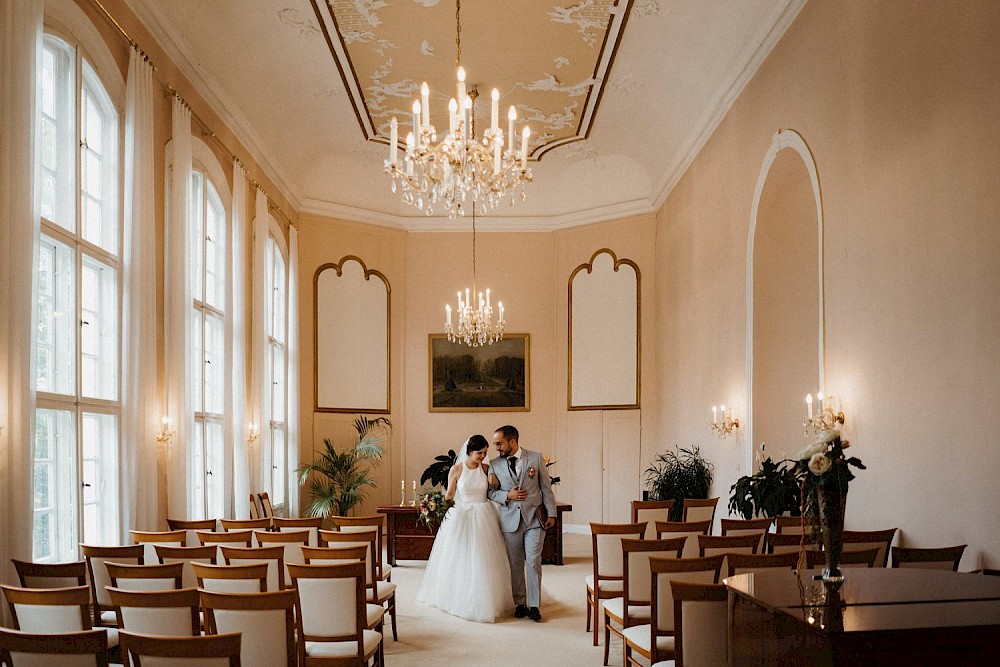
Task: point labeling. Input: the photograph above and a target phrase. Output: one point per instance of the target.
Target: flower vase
(832, 501)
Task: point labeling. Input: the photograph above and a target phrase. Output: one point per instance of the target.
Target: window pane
(215, 475)
(215, 249)
(279, 393)
(99, 330)
(100, 478)
(198, 362)
(278, 465)
(280, 287)
(196, 502)
(55, 350)
(197, 238)
(99, 164)
(54, 532)
(57, 124)
(215, 364)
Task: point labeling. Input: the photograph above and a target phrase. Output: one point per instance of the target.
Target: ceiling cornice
(757, 49)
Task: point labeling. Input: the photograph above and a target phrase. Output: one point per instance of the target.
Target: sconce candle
(715, 415)
(727, 426)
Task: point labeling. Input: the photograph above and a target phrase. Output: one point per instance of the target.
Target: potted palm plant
(337, 480)
(678, 475)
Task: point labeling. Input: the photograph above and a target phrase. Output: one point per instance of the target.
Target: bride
(467, 574)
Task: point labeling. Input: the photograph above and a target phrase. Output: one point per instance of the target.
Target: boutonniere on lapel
(531, 472)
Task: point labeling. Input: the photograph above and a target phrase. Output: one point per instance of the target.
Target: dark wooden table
(409, 539)
(880, 617)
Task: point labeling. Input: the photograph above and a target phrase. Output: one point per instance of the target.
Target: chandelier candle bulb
(393, 141)
(524, 147)
(447, 312)
(822, 402)
(511, 117)
(715, 415)
(809, 404)
(461, 84)
(452, 109)
(488, 307)
(495, 95)
(425, 92)
(416, 119)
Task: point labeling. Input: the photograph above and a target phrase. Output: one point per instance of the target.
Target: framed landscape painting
(491, 378)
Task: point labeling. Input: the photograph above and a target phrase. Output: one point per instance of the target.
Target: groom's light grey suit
(523, 533)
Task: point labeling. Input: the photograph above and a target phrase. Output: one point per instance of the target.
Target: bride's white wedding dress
(468, 574)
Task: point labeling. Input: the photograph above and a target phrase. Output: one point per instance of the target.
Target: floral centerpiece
(434, 508)
(825, 472)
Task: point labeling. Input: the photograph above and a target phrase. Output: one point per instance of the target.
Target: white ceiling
(266, 69)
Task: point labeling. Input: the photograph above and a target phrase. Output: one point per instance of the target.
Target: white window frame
(278, 476)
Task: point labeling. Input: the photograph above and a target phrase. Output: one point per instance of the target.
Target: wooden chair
(198, 651)
(266, 511)
(346, 524)
(743, 563)
(654, 641)
(173, 538)
(310, 523)
(291, 540)
(700, 624)
(191, 527)
(260, 523)
(866, 558)
(747, 527)
(700, 509)
(862, 540)
(21, 648)
(146, 577)
(607, 578)
(789, 525)
(334, 555)
(186, 556)
(632, 608)
(170, 613)
(232, 538)
(49, 609)
(97, 556)
(273, 557)
(713, 545)
(943, 558)
(267, 621)
(783, 543)
(51, 575)
(690, 529)
(255, 512)
(231, 578)
(378, 592)
(337, 623)
(649, 512)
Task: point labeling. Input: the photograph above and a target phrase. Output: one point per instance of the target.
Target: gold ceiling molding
(551, 61)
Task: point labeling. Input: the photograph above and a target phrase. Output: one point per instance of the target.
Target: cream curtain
(139, 386)
(20, 44)
(294, 437)
(178, 316)
(260, 461)
(241, 463)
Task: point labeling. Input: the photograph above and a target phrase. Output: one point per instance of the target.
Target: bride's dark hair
(475, 443)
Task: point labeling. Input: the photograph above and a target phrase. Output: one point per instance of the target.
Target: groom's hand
(493, 481)
(517, 493)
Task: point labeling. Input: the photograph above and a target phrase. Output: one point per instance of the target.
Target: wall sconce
(828, 416)
(166, 434)
(253, 433)
(727, 426)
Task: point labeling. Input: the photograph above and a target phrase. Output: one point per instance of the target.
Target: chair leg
(590, 603)
(597, 610)
(392, 617)
(607, 637)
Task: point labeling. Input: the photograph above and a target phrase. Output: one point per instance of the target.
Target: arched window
(276, 363)
(77, 376)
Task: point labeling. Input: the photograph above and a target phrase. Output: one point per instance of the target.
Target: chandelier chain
(458, 32)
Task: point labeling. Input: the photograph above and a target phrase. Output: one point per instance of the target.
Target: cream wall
(898, 106)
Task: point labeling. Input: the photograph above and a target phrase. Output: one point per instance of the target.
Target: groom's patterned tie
(512, 464)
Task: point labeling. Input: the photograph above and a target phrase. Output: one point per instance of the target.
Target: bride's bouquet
(434, 507)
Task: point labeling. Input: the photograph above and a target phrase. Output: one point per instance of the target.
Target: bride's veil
(463, 452)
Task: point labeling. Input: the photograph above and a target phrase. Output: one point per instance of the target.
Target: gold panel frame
(511, 344)
(589, 268)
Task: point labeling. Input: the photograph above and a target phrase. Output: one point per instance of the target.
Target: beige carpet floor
(430, 637)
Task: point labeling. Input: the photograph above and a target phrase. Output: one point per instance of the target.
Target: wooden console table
(409, 539)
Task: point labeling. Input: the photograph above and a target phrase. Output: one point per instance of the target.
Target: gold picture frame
(490, 378)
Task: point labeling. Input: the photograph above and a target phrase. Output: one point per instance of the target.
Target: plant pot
(832, 501)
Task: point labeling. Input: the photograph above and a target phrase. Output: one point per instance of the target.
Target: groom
(527, 510)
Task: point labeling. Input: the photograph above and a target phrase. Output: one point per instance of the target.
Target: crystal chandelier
(475, 324)
(460, 166)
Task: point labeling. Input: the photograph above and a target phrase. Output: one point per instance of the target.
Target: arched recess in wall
(604, 325)
(785, 309)
(351, 338)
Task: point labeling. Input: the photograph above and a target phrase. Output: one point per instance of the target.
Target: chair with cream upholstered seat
(292, 540)
(790, 525)
(649, 512)
(51, 575)
(88, 648)
(309, 523)
(700, 509)
(654, 640)
(607, 578)
(866, 558)
(267, 621)
(347, 524)
(197, 651)
(49, 609)
(191, 528)
(633, 606)
(186, 556)
(744, 563)
(713, 545)
(173, 538)
(334, 555)
(231, 538)
(155, 577)
(273, 557)
(700, 624)
(170, 613)
(377, 591)
(862, 540)
(747, 527)
(783, 543)
(260, 523)
(689, 529)
(266, 509)
(231, 578)
(97, 557)
(942, 558)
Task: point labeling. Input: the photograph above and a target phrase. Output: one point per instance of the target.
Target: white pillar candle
(393, 141)
(511, 117)
(461, 84)
(402, 485)
(416, 120)
(425, 92)
(447, 310)
(722, 409)
(494, 110)
(487, 298)
(822, 402)
(500, 306)
(524, 147)
(467, 119)
(452, 116)
(809, 404)
(715, 415)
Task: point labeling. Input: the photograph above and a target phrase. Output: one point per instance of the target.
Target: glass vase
(832, 501)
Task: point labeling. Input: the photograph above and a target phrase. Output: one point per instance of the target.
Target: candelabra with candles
(166, 434)
(727, 427)
(475, 322)
(826, 418)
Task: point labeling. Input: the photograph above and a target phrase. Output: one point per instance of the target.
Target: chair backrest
(606, 544)
(231, 578)
(690, 529)
(664, 571)
(783, 543)
(331, 601)
(713, 545)
(700, 509)
(747, 527)
(743, 563)
(635, 571)
(199, 651)
(292, 540)
(348, 524)
(273, 557)
(191, 527)
(171, 613)
(266, 511)
(49, 609)
(335, 555)
(943, 558)
(368, 538)
(267, 621)
(154, 577)
(862, 540)
(255, 512)
(174, 538)
(865, 558)
(187, 555)
(790, 525)
(649, 512)
(51, 575)
(96, 557)
(90, 648)
(700, 624)
(310, 523)
(260, 523)
(232, 538)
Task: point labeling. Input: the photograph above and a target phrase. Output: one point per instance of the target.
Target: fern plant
(338, 480)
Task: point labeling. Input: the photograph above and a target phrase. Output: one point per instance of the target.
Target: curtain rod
(170, 91)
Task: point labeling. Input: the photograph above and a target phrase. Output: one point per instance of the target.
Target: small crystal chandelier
(460, 166)
(475, 325)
